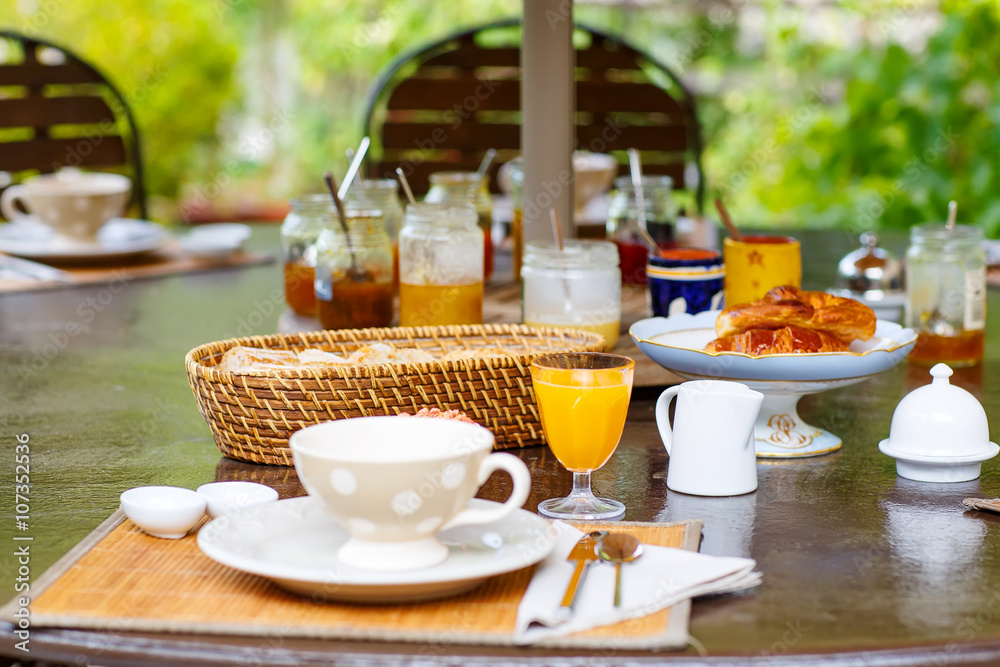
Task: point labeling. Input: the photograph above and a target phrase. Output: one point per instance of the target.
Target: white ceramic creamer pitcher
(711, 443)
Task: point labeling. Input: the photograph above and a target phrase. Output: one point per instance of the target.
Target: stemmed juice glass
(582, 398)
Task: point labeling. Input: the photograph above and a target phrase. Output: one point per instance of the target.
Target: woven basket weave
(253, 414)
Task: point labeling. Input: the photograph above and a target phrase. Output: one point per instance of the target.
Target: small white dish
(231, 497)
(294, 543)
(215, 241)
(164, 511)
(117, 239)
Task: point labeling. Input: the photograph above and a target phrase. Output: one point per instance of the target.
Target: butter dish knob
(941, 373)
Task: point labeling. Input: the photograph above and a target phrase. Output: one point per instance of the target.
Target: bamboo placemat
(121, 579)
(166, 261)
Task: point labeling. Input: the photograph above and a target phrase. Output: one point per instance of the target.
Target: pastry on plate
(840, 317)
(786, 340)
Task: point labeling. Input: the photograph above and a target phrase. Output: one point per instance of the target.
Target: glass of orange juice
(582, 400)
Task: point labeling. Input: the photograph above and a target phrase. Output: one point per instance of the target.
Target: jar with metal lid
(382, 194)
(310, 215)
(579, 286)
(466, 186)
(946, 290)
(623, 217)
(354, 280)
(440, 265)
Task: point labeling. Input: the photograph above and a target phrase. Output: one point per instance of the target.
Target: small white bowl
(163, 511)
(230, 497)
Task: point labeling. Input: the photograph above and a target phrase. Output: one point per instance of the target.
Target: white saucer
(118, 238)
(294, 543)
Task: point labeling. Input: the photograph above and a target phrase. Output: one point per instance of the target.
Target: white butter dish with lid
(939, 433)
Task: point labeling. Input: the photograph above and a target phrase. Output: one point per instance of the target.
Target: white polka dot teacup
(395, 482)
(75, 204)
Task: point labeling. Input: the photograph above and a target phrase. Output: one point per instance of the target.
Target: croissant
(786, 340)
(843, 318)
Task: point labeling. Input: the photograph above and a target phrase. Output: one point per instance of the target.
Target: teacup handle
(521, 479)
(663, 416)
(7, 198)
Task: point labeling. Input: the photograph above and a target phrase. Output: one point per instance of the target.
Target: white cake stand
(676, 344)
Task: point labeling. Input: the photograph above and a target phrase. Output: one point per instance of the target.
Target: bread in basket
(252, 414)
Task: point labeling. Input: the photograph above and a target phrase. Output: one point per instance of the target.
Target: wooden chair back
(441, 106)
(58, 111)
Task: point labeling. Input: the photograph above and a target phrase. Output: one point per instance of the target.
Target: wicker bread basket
(252, 415)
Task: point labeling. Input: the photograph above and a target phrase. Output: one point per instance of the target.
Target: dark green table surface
(854, 558)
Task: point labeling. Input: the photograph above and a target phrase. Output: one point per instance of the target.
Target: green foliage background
(854, 114)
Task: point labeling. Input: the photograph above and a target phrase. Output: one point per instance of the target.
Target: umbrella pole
(548, 101)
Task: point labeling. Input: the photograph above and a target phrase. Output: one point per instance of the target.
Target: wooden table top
(857, 562)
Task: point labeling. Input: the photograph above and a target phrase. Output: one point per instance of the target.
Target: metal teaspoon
(618, 548)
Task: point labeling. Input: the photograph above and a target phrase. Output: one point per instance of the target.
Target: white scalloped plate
(676, 344)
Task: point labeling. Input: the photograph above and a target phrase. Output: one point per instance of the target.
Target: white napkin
(661, 577)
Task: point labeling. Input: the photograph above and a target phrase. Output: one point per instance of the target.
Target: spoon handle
(618, 584)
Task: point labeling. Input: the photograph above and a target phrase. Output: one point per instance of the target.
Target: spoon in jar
(557, 233)
(355, 272)
(354, 168)
(406, 185)
(485, 165)
(936, 323)
(618, 548)
(635, 169)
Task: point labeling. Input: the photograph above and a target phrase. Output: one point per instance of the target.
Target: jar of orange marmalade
(354, 273)
(440, 265)
(310, 215)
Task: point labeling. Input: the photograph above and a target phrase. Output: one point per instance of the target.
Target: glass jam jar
(310, 215)
(577, 287)
(946, 294)
(623, 217)
(466, 186)
(382, 194)
(354, 282)
(440, 265)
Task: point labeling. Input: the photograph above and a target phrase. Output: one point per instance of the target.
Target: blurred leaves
(855, 114)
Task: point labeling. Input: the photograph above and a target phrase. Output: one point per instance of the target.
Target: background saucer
(118, 238)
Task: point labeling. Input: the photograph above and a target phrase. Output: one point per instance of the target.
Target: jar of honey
(466, 186)
(624, 216)
(354, 273)
(946, 294)
(310, 215)
(440, 265)
(576, 287)
(382, 194)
